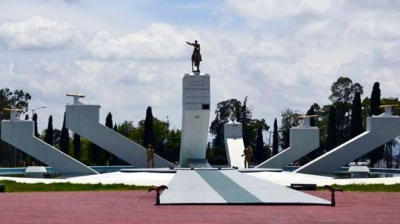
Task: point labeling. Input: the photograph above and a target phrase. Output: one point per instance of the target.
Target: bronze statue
(196, 56)
(247, 153)
(150, 156)
(332, 189)
(158, 190)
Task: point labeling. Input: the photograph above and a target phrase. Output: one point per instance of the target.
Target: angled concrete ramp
(303, 140)
(234, 143)
(84, 120)
(230, 187)
(380, 130)
(20, 134)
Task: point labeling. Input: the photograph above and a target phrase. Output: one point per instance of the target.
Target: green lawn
(368, 188)
(12, 186)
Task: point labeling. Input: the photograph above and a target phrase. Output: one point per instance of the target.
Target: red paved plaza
(137, 207)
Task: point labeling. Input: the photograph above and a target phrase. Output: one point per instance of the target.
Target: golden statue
(150, 156)
(247, 153)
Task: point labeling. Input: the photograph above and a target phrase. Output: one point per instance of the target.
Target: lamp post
(33, 110)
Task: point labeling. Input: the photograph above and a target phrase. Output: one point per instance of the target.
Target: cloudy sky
(126, 55)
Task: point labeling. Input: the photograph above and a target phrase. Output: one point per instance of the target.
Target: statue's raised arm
(196, 56)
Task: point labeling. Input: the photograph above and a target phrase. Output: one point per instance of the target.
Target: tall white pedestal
(303, 140)
(195, 120)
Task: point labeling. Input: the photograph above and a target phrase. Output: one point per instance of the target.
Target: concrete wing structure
(195, 120)
(20, 134)
(234, 144)
(303, 140)
(380, 130)
(84, 120)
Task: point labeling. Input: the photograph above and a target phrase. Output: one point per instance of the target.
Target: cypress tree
(148, 135)
(77, 145)
(259, 152)
(34, 118)
(275, 139)
(311, 112)
(109, 123)
(95, 154)
(375, 100)
(115, 127)
(356, 127)
(376, 154)
(64, 138)
(50, 132)
(331, 141)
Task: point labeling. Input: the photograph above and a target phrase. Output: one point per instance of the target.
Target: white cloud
(159, 41)
(380, 64)
(39, 33)
(376, 25)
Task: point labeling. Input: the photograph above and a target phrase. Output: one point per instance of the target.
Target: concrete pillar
(195, 118)
(303, 140)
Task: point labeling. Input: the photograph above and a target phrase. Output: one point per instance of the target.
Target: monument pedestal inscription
(195, 120)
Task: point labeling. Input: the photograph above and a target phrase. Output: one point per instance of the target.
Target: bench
(2, 188)
(304, 186)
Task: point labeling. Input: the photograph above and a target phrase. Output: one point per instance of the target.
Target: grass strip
(367, 187)
(12, 186)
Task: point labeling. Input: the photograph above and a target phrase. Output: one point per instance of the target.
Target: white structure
(234, 145)
(35, 171)
(380, 130)
(303, 140)
(195, 120)
(20, 134)
(84, 120)
(358, 170)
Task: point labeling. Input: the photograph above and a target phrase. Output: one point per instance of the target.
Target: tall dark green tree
(50, 132)
(64, 139)
(331, 135)
(376, 154)
(115, 127)
(148, 135)
(34, 118)
(343, 92)
(289, 119)
(259, 150)
(108, 156)
(356, 127)
(109, 121)
(311, 111)
(275, 139)
(17, 99)
(77, 146)
(95, 154)
(375, 100)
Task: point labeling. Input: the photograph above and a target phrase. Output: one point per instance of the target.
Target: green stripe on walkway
(228, 189)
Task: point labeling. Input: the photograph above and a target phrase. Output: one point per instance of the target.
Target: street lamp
(33, 110)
